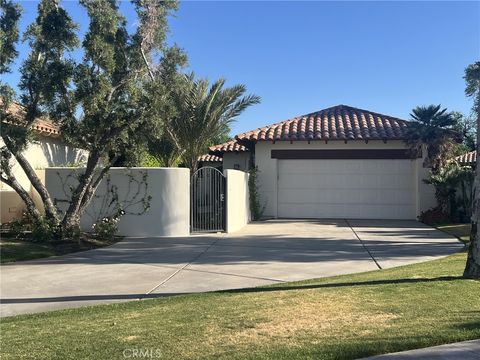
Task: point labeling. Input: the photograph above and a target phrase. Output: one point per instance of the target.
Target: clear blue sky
(304, 56)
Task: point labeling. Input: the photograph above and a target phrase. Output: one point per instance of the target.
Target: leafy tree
(433, 127)
(467, 126)
(103, 103)
(472, 267)
(203, 114)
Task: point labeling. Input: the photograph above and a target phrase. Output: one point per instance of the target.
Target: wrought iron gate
(207, 200)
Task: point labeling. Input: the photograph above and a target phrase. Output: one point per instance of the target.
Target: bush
(35, 231)
(107, 227)
(434, 216)
(256, 209)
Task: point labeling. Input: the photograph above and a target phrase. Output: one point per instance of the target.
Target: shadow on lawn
(247, 290)
(346, 284)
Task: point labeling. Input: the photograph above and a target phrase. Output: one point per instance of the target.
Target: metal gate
(207, 200)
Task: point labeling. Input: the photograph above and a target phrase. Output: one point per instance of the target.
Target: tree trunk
(50, 209)
(472, 268)
(71, 221)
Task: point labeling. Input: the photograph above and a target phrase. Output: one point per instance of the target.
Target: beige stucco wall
(41, 153)
(169, 188)
(238, 202)
(268, 168)
(238, 160)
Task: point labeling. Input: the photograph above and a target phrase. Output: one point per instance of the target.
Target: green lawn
(16, 250)
(342, 317)
(12, 250)
(460, 231)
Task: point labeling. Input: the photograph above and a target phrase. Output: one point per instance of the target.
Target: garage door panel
(346, 189)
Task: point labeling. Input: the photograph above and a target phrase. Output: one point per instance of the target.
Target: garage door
(363, 189)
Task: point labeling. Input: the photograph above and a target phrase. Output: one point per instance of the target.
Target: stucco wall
(268, 168)
(46, 152)
(42, 153)
(169, 213)
(236, 160)
(238, 203)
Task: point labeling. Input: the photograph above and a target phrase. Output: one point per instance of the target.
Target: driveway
(262, 253)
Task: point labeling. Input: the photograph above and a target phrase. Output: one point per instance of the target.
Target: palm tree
(203, 114)
(472, 267)
(433, 127)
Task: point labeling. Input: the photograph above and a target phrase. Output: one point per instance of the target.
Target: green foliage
(203, 113)
(433, 127)
(108, 102)
(256, 209)
(35, 230)
(148, 160)
(467, 126)
(453, 190)
(107, 228)
(9, 33)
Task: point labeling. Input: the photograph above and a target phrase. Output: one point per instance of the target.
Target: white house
(340, 162)
(47, 150)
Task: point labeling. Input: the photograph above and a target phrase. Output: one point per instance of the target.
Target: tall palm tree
(433, 127)
(203, 113)
(472, 267)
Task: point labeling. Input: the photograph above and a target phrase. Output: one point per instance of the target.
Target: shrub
(453, 190)
(107, 227)
(256, 209)
(35, 231)
(434, 216)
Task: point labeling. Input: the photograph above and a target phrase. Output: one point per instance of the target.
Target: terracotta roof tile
(210, 158)
(230, 146)
(335, 123)
(41, 126)
(469, 158)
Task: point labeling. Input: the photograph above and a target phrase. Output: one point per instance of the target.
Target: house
(210, 160)
(339, 162)
(46, 150)
(467, 159)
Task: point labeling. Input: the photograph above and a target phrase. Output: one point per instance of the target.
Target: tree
(433, 127)
(203, 114)
(472, 267)
(467, 126)
(102, 104)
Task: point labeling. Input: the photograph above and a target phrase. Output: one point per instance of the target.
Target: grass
(343, 317)
(460, 231)
(12, 250)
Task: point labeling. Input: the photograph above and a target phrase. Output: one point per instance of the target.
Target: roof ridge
(376, 130)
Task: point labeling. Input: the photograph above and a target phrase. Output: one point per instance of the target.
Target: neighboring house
(340, 162)
(210, 160)
(47, 150)
(467, 159)
(235, 156)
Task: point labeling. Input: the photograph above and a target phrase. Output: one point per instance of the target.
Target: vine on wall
(109, 204)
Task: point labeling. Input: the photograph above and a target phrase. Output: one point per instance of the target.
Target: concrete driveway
(262, 253)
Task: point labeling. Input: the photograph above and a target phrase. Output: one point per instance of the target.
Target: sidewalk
(466, 350)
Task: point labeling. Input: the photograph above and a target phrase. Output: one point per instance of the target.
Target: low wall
(238, 203)
(166, 190)
(11, 204)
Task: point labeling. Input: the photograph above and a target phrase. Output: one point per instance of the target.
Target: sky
(300, 57)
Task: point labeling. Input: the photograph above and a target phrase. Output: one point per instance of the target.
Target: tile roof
(40, 126)
(340, 122)
(230, 146)
(467, 158)
(210, 158)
